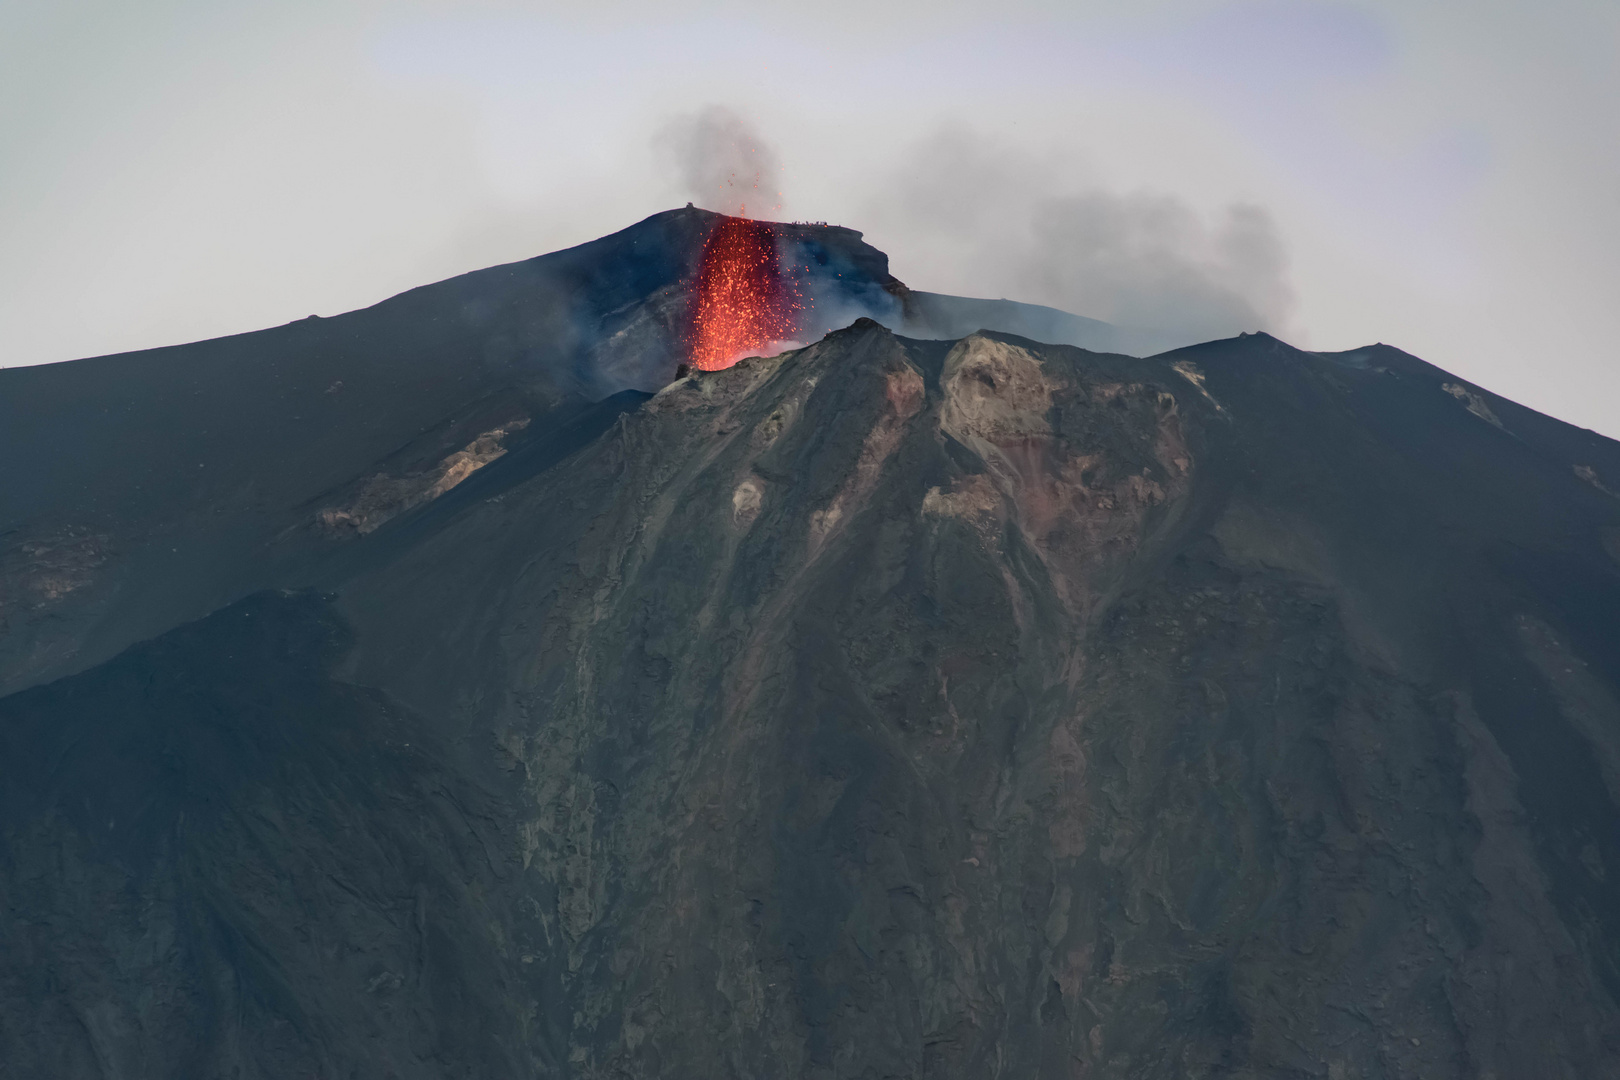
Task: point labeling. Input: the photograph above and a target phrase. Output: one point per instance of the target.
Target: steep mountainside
(152, 488)
(892, 707)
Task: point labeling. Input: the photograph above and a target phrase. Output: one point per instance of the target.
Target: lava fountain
(742, 302)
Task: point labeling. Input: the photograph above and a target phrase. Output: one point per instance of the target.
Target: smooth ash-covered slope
(893, 707)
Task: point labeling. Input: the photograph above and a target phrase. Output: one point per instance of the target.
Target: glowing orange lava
(742, 303)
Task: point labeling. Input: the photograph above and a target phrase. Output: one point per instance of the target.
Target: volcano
(458, 687)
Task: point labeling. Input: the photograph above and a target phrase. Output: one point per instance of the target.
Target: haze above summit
(1440, 177)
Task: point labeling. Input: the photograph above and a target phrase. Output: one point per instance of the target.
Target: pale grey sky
(1441, 176)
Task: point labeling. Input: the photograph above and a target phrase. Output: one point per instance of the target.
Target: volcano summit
(447, 689)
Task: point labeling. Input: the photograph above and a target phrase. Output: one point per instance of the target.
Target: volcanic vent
(742, 301)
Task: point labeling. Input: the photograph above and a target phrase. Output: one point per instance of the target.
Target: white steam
(722, 163)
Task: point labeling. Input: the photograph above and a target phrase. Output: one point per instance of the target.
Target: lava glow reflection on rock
(742, 302)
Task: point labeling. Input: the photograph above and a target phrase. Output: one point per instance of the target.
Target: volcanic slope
(151, 488)
(891, 707)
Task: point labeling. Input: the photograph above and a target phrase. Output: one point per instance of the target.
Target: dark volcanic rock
(151, 488)
(219, 859)
(889, 708)
(155, 487)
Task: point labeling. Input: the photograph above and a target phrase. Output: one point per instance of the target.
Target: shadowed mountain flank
(889, 707)
(151, 488)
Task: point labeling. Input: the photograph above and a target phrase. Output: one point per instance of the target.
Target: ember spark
(742, 301)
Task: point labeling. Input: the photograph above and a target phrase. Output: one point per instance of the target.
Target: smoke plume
(962, 214)
(723, 164)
